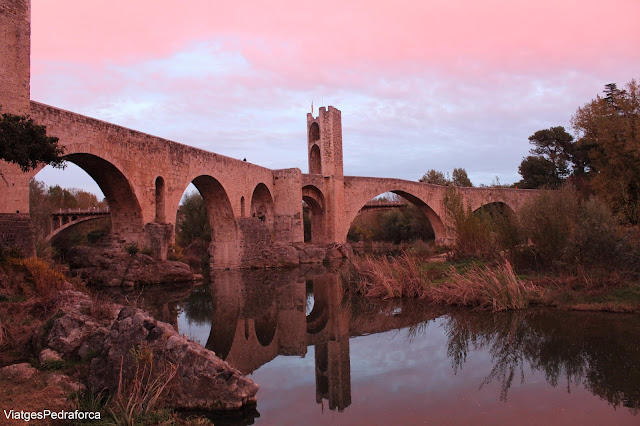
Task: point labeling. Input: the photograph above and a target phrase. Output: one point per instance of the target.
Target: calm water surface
(322, 356)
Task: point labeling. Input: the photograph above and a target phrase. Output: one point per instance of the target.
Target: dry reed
(139, 397)
(495, 288)
(491, 288)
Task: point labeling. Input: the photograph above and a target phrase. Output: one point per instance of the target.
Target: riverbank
(62, 349)
(493, 286)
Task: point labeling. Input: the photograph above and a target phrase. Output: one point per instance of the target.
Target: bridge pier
(158, 237)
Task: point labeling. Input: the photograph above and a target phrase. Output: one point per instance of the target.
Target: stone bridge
(250, 207)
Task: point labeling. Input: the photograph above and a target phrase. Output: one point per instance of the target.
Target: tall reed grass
(495, 288)
(140, 397)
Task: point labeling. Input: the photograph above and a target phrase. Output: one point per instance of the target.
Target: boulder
(17, 372)
(114, 267)
(202, 381)
(339, 251)
(110, 337)
(310, 254)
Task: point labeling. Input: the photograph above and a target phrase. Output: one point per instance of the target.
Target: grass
(469, 283)
(488, 286)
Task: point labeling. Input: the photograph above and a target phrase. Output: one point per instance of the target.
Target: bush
(94, 236)
(39, 278)
(490, 232)
(132, 248)
(548, 222)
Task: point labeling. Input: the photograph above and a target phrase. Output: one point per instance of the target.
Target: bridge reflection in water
(249, 318)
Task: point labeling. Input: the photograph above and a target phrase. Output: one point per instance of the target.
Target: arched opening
(205, 225)
(242, 211)
(495, 210)
(103, 201)
(160, 200)
(262, 206)
(314, 132)
(266, 326)
(315, 165)
(224, 322)
(392, 219)
(313, 209)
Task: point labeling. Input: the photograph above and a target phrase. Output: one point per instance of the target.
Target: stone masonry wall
(16, 232)
(15, 33)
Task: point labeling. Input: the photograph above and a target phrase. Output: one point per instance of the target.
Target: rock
(339, 251)
(49, 356)
(73, 332)
(65, 383)
(202, 380)
(114, 267)
(17, 372)
(310, 254)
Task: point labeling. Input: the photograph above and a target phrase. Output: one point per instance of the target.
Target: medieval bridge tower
(325, 187)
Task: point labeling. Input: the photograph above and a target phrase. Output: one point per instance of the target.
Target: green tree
(193, 221)
(538, 172)
(608, 129)
(26, 144)
(552, 156)
(459, 178)
(553, 144)
(435, 177)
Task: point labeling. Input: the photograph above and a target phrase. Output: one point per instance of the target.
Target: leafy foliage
(609, 134)
(434, 177)
(192, 221)
(26, 144)
(408, 223)
(550, 162)
(459, 177)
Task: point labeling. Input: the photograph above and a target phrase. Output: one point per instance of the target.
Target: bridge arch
(67, 227)
(124, 207)
(223, 251)
(437, 223)
(496, 207)
(316, 202)
(262, 206)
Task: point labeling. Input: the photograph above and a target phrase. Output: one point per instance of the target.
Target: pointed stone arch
(262, 206)
(126, 213)
(316, 202)
(224, 250)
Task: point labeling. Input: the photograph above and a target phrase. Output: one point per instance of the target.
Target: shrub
(489, 232)
(132, 248)
(147, 251)
(40, 278)
(93, 237)
(175, 252)
(548, 222)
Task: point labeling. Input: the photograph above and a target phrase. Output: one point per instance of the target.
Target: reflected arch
(315, 200)
(223, 250)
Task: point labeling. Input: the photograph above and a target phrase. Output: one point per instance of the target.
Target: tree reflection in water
(256, 316)
(597, 350)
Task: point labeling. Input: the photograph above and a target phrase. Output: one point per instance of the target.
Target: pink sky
(421, 84)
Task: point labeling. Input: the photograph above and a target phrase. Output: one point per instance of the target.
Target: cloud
(420, 84)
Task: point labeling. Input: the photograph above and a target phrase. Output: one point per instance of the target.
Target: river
(323, 356)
